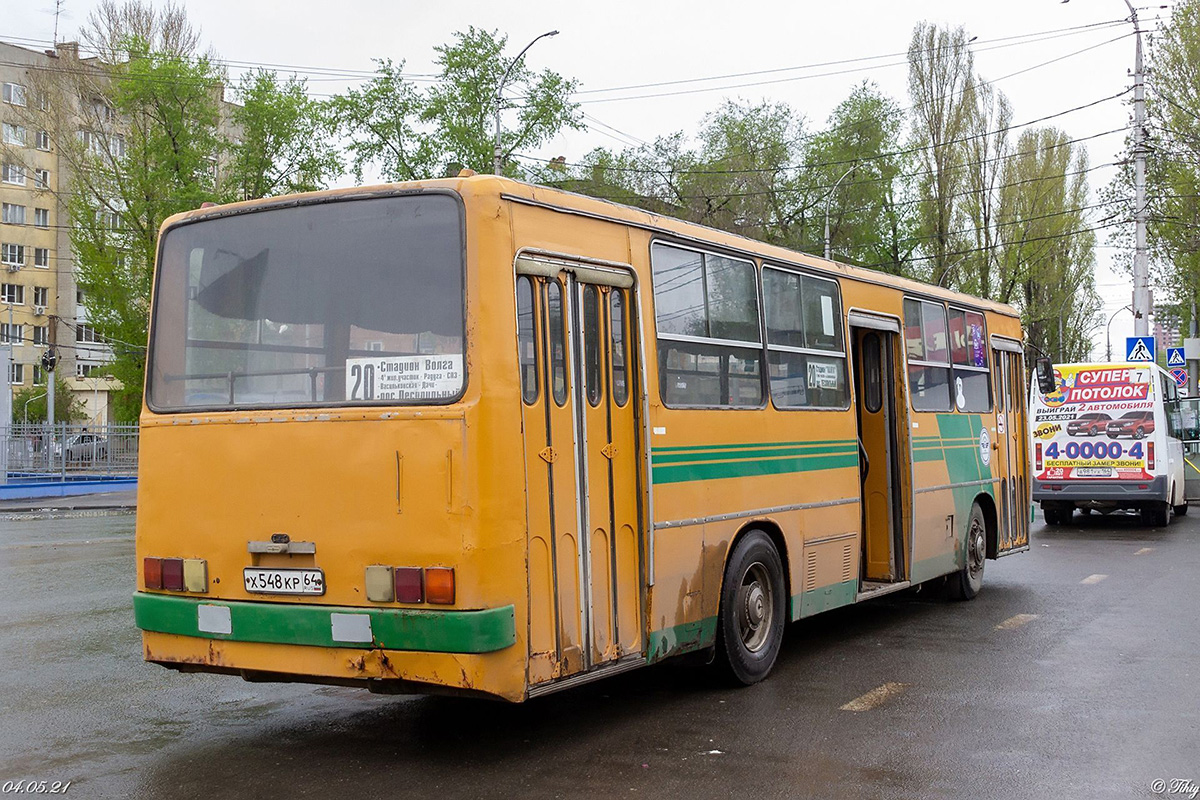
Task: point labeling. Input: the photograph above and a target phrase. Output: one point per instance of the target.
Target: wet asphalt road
(1097, 695)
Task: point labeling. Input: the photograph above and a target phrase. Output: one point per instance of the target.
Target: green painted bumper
(289, 623)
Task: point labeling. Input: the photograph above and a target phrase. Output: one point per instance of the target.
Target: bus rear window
(356, 301)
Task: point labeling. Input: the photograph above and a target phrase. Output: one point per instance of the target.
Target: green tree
(1048, 247)
(29, 404)
(280, 147)
(410, 134)
(147, 117)
(872, 216)
(941, 84)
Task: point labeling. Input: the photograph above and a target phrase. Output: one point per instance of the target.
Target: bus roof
(571, 202)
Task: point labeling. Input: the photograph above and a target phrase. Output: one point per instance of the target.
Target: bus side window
(526, 346)
(558, 342)
(620, 389)
(928, 355)
(593, 365)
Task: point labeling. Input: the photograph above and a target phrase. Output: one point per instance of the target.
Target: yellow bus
(476, 436)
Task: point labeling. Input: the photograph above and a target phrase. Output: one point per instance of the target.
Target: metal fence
(35, 452)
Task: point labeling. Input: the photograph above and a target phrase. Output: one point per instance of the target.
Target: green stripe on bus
(289, 623)
(685, 638)
(751, 446)
(823, 598)
(733, 455)
(678, 473)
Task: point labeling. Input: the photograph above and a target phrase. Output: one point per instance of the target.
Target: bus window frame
(222, 212)
(909, 361)
(759, 347)
(987, 357)
(844, 354)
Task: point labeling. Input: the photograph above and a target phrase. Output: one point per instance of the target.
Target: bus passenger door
(1013, 500)
(608, 467)
(581, 456)
(881, 454)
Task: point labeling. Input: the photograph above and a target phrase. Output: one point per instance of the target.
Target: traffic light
(49, 359)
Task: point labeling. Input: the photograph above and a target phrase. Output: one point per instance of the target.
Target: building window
(86, 333)
(11, 334)
(11, 173)
(12, 214)
(12, 293)
(116, 145)
(43, 140)
(41, 335)
(13, 134)
(12, 255)
(108, 219)
(41, 217)
(41, 295)
(41, 179)
(14, 93)
(16, 373)
(41, 257)
(91, 142)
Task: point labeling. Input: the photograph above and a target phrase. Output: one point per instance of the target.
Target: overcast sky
(625, 44)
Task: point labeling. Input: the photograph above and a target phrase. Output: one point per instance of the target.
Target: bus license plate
(284, 581)
(1093, 472)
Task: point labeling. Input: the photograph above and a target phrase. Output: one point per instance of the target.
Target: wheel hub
(755, 608)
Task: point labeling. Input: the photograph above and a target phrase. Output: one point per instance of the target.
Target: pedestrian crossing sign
(1175, 357)
(1139, 348)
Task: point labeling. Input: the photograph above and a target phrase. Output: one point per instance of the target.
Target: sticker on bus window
(827, 315)
(822, 376)
(433, 377)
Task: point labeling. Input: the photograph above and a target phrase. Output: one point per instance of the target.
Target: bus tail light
(439, 585)
(1150, 456)
(410, 585)
(1038, 456)
(175, 574)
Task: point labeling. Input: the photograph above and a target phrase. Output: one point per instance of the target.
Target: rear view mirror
(1045, 376)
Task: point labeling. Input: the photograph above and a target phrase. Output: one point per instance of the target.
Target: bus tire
(753, 602)
(966, 583)
(1156, 515)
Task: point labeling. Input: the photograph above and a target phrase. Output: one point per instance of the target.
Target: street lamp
(828, 198)
(1108, 329)
(25, 413)
(497, 153)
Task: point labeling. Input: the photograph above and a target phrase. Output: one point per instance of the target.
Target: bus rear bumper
(408, 650)
(1117, 494)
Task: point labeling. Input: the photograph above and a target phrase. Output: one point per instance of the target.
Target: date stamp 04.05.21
(1175, 787)
(34, 787)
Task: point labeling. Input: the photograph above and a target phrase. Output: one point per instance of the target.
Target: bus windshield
(355, 301)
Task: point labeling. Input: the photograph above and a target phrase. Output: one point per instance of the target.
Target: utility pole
(1141, 267)
(498, 100)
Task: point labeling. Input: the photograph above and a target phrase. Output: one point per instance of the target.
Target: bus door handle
(862, 453)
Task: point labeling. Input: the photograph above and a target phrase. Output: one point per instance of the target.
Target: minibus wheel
(1181, 511)
(753, 602)
(1156, 515)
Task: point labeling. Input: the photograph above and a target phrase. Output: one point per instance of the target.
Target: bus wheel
(966, 583)
(751, 619)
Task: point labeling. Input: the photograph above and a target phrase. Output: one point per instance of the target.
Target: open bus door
(1012, 439)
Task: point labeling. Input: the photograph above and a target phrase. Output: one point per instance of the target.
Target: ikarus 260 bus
(1108, 439)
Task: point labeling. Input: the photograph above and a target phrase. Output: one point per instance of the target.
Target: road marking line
(1090, 579)
(1144, 550)
(876, 697)
(1016, 621)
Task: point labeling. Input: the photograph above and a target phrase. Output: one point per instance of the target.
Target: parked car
(1134, 423)
(84, 447)
(1091, 424)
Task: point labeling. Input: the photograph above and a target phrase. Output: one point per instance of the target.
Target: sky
(809, 55)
